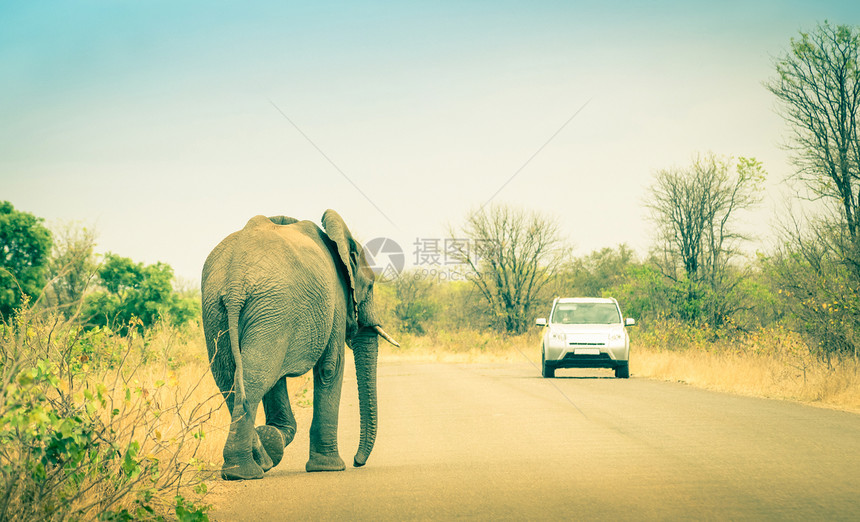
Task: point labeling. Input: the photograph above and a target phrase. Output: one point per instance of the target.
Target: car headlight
(616, 335)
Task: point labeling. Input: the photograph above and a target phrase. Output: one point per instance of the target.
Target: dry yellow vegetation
(463, 346)
(771, 362)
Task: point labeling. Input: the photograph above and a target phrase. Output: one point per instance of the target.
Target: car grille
(602, 357)
(587, 344)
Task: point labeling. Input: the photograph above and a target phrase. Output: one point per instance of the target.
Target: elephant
(282, 296)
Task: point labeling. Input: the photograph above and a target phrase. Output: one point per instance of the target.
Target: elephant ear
(347, 251)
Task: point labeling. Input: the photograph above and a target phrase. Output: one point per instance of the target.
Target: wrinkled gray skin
(281, 297)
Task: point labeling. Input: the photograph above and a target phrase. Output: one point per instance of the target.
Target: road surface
(498, 442)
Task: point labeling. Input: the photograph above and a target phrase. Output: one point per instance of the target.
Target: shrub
(415, 306)
(87, 431)
(818, 289)
(672, 334)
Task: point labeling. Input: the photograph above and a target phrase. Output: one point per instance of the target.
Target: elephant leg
(242, 455)
(328, 381)
(280, 428)
(261, 456)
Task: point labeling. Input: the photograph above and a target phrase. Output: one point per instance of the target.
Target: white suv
(585, 332)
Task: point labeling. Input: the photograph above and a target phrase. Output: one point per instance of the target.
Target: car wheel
(622, 371)
(547, 370)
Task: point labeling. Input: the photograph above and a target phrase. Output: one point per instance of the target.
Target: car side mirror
(540, 321)
(629, 321)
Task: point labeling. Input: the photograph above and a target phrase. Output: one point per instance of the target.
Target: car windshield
(586, 313)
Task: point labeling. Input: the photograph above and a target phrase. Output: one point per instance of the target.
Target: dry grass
(463, 346)
(178, 377)
(770, 363)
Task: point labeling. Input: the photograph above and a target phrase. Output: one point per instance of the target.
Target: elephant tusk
(385, 336)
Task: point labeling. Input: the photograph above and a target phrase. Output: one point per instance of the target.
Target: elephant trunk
(365, 352)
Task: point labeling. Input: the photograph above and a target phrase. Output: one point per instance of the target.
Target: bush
(674, 335)
(87, 431)
(415, 306)
(820, 296)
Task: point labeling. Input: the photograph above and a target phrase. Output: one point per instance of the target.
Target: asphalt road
(497, 442)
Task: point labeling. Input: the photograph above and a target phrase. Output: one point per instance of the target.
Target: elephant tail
(239, 396)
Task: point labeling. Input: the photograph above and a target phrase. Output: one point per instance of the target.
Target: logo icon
(385, 258)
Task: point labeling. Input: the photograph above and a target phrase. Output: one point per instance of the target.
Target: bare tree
(512, 254)
(71, 268)
(693, 209)
(818, 84)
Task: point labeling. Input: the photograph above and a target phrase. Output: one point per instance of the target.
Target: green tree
(595, 274)
(644, 292)
(695, 210)
(25, 245)
(137, 291)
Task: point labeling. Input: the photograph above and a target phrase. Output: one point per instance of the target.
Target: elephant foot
(261, 457)
(289, 434)
(320, 462)
(245, 469)
(273, 443)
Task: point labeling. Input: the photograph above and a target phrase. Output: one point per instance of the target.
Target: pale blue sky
(154, 122)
